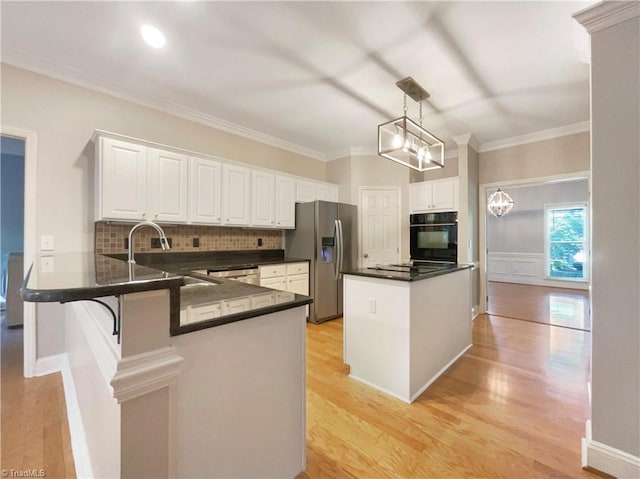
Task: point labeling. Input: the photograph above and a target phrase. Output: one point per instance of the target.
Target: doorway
(29, 138)
(12, 152)
(379, 226)
(536, 257)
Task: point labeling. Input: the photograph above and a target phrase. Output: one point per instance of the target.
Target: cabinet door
(279, 283)
(419, 197)
(236, 188)
(298, 284)
(327, 192)
(121, 182)
(306, 191)
(263, 193)
(205, 189)
(167, 183)
(444, 195)
(285, 202)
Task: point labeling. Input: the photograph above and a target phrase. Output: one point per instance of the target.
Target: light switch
(46, 243)
(46, 264)
(372, 305)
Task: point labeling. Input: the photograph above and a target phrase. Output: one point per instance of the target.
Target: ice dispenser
(326, 255)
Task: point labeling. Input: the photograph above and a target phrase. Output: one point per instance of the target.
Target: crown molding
(352, 151)
(467, 139)
(90, 82)
(606, 14)
(537, 136)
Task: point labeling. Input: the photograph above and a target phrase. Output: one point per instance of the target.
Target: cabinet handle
(144, 215)
(155, 216)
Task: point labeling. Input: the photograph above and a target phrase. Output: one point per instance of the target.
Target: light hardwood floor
(514, 406)
(568, 308)
(33, 430)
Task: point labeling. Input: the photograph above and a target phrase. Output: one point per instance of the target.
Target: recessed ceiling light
(152, 36)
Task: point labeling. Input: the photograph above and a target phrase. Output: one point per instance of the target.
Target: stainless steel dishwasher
(247, 275)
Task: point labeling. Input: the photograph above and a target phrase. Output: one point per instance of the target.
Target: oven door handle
(434, 224)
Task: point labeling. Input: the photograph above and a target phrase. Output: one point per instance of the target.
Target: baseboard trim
(607, 459)
(49, 364)
(475, 311)
(60, 363)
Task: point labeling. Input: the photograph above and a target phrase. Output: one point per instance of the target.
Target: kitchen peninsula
(150, 396)
(403, 327)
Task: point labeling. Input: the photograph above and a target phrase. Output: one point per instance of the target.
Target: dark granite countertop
(405, 274)
(185, 262)
(82, 276)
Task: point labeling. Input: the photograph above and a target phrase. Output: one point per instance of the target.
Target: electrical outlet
(259, 241)
(46, 264)
(372, 305)
(46, 243)
(196, 242)
(155, 242)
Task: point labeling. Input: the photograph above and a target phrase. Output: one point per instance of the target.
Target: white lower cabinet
(289, 277)
(233, 306)
(195, 314)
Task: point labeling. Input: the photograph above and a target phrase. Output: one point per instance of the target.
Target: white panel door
(285, 202)
(380, 226)
(263, 195)
(278, 282)
(123, 180)
(236, 187)
(168, 183)
(205, 189)
(443, 195)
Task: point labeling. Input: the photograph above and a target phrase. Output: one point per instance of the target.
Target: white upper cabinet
(328, 192)
(236, 199)
(433, 196)
(167, 183)
(138, 183)
(314, 190)
(306, 191)
(263, 210)
(137, 180)
(205, 188)
(121, 180)
(285, 202)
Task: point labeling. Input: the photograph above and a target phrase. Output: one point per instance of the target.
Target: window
(567, 241)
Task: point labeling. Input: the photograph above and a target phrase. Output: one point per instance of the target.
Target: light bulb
(397, 141)
(406, 146)
(152, 36)
(420, 153)
(428, 155)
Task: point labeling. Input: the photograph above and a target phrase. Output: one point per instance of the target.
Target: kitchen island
(155, 391)
(404, 328)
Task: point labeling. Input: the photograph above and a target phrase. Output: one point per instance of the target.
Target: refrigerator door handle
(341, 249)
(338, 248)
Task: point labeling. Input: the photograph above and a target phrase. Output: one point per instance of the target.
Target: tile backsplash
(110, 238)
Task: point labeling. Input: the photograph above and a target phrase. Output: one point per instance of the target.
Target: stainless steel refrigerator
(326, 234)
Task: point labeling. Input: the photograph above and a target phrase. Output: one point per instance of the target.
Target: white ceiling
(319, 75)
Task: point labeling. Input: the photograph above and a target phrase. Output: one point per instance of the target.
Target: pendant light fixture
(499, 203)
(406, 142)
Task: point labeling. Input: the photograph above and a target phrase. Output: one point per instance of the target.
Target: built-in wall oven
(434, 237)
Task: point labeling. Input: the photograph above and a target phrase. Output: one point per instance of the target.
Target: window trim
(586, 265)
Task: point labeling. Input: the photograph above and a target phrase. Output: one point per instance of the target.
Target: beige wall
(558, 156)
(615, 273)
(450, 169)
(351, 173)
(64, 117)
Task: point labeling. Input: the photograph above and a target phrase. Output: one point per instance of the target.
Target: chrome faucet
(164, 243)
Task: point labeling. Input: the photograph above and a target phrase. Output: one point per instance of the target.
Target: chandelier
(406, 142)
(499, 203)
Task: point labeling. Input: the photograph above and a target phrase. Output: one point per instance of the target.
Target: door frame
(361, 191)
(482, 223)
(30, 228)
